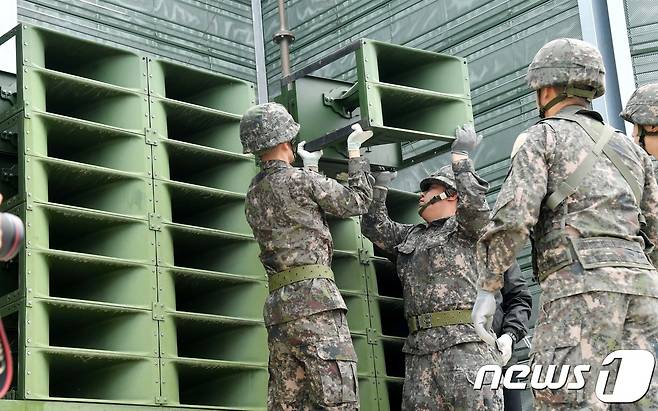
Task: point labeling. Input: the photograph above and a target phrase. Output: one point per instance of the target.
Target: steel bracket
(342, 101)
(158, 311)
(9, 96)
(155, 222)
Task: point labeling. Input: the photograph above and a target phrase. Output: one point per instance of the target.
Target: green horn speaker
(403, 95)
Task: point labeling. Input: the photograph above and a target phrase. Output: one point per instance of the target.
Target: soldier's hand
(310, 159)
(465, 140)
(482, 316)
(505, 345)
(355, 139)
(384, 178)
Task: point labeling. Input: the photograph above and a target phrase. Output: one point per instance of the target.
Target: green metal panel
(50, 368)
(41, 405)
(184, 84)
(82, 58)
(214, 384)
(210, 281)
(107, 173)
(401, 94)
(216, 35)
(642, 24)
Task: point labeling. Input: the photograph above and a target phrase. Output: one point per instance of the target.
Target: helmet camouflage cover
(265, 126)
(642, 107)
(568, 63)
(443, 176)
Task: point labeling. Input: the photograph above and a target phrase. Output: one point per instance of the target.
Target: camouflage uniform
(312, 361)
(436, 265)
(642, 109)
(599, 291)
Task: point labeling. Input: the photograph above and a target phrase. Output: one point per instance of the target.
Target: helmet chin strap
(433, 200)
(568, 92)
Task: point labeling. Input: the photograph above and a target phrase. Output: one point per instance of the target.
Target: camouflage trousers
(444, 380)
(584, 329)
(312, 364)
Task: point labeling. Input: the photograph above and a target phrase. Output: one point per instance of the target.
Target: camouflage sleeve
(378, 227)
(517, 207)
(472, 207)
(649, 206)
(339, 200)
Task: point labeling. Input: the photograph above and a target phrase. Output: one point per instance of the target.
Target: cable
(9, 364)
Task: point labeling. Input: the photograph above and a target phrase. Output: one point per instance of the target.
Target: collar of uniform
(439, 223)
(448, 224)
(275, 165)
(589, 113)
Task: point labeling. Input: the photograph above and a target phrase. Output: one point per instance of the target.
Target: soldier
(436, 265)
(583, 191)
(642, 111)
(312, 361)
(510, 323)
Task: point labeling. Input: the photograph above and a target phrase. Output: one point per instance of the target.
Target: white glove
(356, 138)
(482, 316)
(505, 345)
(465, 140)
(310, 159)
(384, 178)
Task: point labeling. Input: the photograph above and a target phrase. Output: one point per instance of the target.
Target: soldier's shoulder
(536, 131)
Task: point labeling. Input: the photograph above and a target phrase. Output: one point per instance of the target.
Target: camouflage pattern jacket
(286, 208)
(603, 206)
(436, 261)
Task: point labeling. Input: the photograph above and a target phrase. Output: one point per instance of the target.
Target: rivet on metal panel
(371, 335)
(364, 256)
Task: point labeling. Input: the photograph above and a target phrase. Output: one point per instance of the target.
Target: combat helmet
(265, 126)
(443, 176)
(569, 63)
(642, 107)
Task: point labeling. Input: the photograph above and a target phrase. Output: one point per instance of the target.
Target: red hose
(9, 363)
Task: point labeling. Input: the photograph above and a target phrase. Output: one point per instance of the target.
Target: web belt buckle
(424, 321)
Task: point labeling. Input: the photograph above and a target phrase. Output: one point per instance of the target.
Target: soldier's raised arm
(333, 197)
(376, 224)
(472, 208)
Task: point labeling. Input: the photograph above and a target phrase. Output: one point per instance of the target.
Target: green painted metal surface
(401, 94)
(209, 34)
(642, 24)
(211, 284)
(140, 281)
